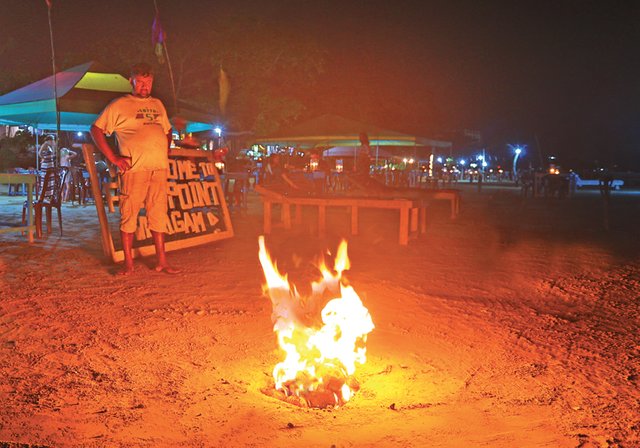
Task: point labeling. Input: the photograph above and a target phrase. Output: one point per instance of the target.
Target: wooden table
(368, 187)
(451, 195)
(412, 212)
(30, 181)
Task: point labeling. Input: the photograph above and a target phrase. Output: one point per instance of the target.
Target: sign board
(197, 211)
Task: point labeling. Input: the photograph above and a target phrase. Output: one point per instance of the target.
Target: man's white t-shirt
(141, 126)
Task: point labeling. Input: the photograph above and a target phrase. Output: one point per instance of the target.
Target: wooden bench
(453, 196)
(412, 213)
(369, 186)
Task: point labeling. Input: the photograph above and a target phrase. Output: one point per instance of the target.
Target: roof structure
(82, 92)
(330, 130)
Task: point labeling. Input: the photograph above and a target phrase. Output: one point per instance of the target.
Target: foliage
(270, 70)
(17, 151)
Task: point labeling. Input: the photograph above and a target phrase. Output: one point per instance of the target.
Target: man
(143, 133)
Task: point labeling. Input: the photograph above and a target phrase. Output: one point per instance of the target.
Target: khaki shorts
(148, 189)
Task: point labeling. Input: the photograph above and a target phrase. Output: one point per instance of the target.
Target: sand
(515, 325)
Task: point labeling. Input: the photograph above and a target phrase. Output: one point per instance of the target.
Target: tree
(17, 151)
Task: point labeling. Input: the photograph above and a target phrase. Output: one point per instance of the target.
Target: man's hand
(123, 163)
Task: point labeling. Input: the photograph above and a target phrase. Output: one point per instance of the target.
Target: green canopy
(332, 130)
(82, 91)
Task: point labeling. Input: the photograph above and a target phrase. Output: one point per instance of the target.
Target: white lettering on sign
(189, 194)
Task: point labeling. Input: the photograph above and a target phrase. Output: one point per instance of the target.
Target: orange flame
(321, 348)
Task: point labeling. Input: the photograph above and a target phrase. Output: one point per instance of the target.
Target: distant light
(411, 160)
(218, 131)
(518, 150)
(480, 157)
(405, 160)
(485, 164)
(79, 134)
(462, 162)
(439, 159)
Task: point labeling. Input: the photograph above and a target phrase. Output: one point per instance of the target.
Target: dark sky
(560, 76)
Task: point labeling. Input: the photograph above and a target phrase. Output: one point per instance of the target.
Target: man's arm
(100, 140)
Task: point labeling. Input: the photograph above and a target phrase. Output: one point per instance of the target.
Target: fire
(321, 348)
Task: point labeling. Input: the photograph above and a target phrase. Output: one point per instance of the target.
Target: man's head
(141, 80)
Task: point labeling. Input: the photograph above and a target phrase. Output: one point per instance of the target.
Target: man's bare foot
(166, 268)
(126, 270)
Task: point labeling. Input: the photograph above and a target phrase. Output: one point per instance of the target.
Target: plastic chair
(48, 200)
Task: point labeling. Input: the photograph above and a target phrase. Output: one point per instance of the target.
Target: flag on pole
(49, 4)
(223, 83)
(158, 37)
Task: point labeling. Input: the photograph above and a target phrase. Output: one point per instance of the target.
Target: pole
(515, 162)
(166, 53)
(55, 87)
(37, 150)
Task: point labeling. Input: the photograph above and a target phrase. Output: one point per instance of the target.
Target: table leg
(322, 220)
(423, 219)
(404, 226)
(354, 220)
(286, 215)
(414, 219)
(30, 212)
(267, 216)
(298, 219)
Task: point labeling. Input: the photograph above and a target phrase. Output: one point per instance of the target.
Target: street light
(517, 150)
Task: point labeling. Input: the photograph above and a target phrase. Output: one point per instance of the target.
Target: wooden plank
(105, 234)
(414, 219)
(403, 238)
(354, 220)
(423, 219)
(285, 213)
(298, 218)
(407, 209)
(266, 204)
(322, 220)
(453, 196)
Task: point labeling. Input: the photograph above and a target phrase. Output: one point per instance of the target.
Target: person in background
(275, 176)
(47, 156)
(65, 161)
(143, 134)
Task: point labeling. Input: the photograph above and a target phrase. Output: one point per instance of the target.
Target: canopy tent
(385, 152)
(82, 91)
(332, 130)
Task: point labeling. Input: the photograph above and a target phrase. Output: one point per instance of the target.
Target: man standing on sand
(143, 134)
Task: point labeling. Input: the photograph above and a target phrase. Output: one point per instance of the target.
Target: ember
(321, 346)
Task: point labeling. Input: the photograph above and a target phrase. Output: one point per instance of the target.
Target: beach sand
(515, 325)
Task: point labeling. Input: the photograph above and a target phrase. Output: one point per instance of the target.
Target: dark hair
(141, 69)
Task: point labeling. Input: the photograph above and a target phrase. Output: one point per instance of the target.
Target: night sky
(562, 77)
